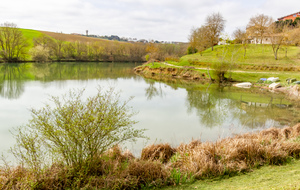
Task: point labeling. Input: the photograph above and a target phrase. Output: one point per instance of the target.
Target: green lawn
(255, 55)
(267, 177)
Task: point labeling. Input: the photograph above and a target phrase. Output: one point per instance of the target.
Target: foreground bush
(162, 165)
(74, 131)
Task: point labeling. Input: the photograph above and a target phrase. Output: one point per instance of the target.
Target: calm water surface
(171, 111)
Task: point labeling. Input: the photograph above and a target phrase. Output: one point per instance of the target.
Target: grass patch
(255, 76)
(30, 35)
(268, 177)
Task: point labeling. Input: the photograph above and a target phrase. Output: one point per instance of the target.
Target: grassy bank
(268, 177)
(258, 63)
(161, 165)
(256, 55)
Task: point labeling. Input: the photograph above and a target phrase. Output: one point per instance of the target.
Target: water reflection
(215, 106)
(13, 76)
(152, 90)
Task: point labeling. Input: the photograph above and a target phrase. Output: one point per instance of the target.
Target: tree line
(261, 29)
(14, 47)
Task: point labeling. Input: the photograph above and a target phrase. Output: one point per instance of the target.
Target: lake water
(172, 111)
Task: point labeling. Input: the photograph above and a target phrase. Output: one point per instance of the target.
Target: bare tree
(241, 37)
(258, 25)
(215, 24)
(278, 38)
(199, 39)
(12, 43)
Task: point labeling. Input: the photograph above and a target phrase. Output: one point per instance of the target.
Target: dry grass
(72, 38)
(240, 153)
(161, 164)
(162, 152)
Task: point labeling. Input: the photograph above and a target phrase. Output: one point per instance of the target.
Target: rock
(243, 85)
(295, 91)
(273, 79)
(275, 85)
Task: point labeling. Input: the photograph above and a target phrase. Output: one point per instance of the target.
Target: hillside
(72, 38)
(31, 34)
(256, 55)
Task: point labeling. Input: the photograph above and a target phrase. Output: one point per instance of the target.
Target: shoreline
(189, 74)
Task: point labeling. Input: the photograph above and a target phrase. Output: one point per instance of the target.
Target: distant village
(124, 39)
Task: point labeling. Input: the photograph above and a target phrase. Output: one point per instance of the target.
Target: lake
(172, 111)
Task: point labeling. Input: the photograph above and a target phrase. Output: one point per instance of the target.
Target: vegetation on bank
(161, 165)
(259, 63)
(19, 45)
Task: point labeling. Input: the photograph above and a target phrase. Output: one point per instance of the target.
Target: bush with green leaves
(75, 131)
(227, 57)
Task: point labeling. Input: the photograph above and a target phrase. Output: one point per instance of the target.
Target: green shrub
(75, 131)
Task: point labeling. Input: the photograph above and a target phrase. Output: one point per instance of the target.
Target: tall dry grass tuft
(239, 153)
(162, 152)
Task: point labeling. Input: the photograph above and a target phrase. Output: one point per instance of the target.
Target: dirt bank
(187, 73)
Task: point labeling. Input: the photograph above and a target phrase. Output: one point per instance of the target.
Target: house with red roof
(290, 17)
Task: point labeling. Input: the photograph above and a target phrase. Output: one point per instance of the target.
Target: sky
(163, 20)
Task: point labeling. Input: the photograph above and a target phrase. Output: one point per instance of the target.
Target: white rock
(275, 85)
(273, 79)
(243, 85)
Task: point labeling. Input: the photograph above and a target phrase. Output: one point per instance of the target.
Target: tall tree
(12, 43)
(258, 25)
(215, 24)
(199, 39)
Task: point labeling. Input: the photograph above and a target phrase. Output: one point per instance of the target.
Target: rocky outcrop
(294, 92)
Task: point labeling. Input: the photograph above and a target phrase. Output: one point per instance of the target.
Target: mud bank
(186, 73)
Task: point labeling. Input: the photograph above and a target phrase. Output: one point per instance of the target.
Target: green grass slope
(30, 35)
(255, 55)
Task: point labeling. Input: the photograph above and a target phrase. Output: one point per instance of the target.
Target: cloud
(166, 20)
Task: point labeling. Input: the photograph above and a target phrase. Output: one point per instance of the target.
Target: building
(290, 17)
(266, 39)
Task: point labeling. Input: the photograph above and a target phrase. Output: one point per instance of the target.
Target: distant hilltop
(124, 39)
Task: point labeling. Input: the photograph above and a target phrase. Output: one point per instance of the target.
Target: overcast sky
(163, 20)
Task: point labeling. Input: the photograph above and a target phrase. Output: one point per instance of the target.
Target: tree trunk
(209, 73)
(275, 53)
